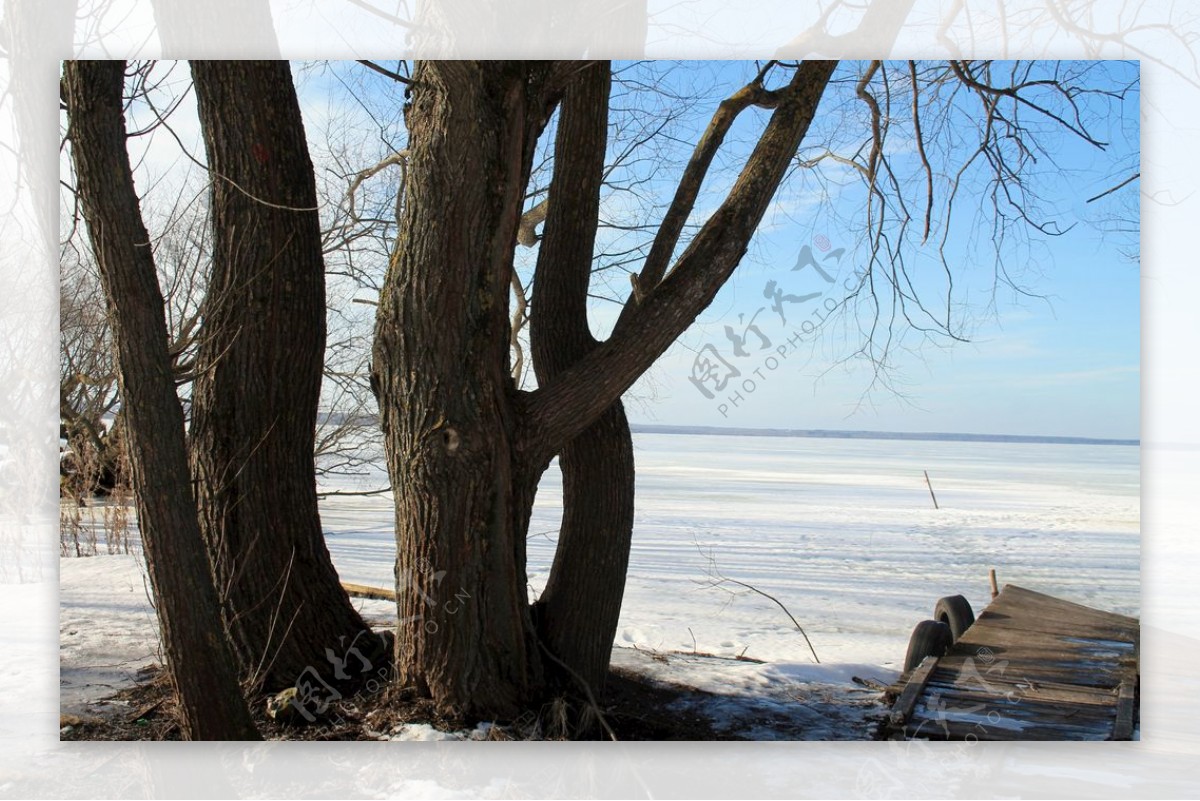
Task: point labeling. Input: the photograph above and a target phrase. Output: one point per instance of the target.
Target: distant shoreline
(649, 428)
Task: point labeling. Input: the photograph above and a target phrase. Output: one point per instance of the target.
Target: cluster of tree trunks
(245, 586)
(247, 595)
(465, 447)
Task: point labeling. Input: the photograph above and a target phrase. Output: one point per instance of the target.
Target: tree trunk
(578, 612)
(581, 605)
(464, 486)
(464, 448)
(259, 367)
(197, 653)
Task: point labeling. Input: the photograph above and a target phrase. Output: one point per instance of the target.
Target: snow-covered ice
(841, 531)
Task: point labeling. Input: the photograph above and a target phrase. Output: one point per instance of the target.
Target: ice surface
(842, 532)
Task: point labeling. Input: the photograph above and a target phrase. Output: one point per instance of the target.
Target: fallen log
(363, 591)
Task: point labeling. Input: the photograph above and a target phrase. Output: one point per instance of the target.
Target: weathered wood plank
(363, 591)
(1005, 729)
(912, 690)
(1041, 606)
(995, 638)
(950, 712)
(1040, 673)
(1058, 626)
(1012, 689)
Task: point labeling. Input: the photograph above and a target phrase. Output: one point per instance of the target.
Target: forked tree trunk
(464, 448)
(198, 657)
(463, 486)
(578, 611)
(258, 382)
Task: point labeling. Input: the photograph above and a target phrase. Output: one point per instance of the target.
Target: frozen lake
(841, 531)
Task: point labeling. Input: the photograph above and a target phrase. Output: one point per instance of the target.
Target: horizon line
(817, 433)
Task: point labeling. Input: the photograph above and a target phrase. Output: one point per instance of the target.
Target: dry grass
(91, 521)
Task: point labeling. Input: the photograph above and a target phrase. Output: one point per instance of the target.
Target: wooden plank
(1042, 600)
(1126, 703)
(1038, 658)
(912, 690)
(1102, 703)
(363, 591)
(1082, 648)
(1011, 690)
(1041, 673)
(1099, 726)
(957, 715)
(1040, 606)
(1031, 618)
(1059, 626)
(1008, 729)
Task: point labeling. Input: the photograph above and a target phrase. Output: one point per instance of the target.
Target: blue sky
(1064, 363)
(1063, 360)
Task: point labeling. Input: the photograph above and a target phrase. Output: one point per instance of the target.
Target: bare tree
(197, 653)
(466, 445)
(87, 382)
(505, 159)
(258, 379)
(951, 158)
(465, 448)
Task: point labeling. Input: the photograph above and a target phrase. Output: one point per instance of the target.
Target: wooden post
(930, 485)
(1126, 701)
(992, 581)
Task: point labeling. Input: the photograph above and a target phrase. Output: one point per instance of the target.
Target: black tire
(929, 638)
(955, 612)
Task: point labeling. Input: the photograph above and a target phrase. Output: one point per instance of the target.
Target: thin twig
(586, 689)
(1128, 180)
(714, 571)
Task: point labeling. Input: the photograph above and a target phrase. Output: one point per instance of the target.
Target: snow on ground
(768, 701)
(423, 732)
(107, 628)
(841, 531)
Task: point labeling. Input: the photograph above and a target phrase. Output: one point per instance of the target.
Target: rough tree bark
(464, 491)
(254, 401)
(465, 448)
(197, 654)
(578, 611)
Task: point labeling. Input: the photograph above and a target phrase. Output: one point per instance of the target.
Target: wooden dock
(1031, 667)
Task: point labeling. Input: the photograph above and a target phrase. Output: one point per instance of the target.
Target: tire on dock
(929, 638)
(955, 612)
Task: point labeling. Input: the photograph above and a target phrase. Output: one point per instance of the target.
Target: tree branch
(530, 220)
(395, 76)
(912, 71)
(572, 401)
(667, 238)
